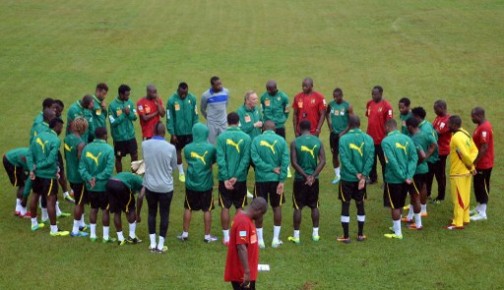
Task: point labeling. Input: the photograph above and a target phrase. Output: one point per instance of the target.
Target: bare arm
(294, 161)
(481, 152)
(139, 204)
(295, 121)
(243, 255)
(322, 161)
(321, 121)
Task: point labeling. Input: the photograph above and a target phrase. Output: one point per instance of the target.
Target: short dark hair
(405, 101)
(441, 103)
(413, 122)
(123, 89)
(233, 118)
(47, 102)
(183, 85)
(379, 88)
(101, 132)
(338, 90)
(214, 79)
(86, 100)
(60, 103)
(419, 112)
(55, 122)
(102, 87)
(455, 120)
(304, 125)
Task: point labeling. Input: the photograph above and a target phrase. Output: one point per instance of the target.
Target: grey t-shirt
(160, 158)
(214, 107)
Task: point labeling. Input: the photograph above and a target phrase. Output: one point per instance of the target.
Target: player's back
(307, 153)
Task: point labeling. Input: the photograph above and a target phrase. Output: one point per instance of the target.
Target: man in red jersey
(483, 138)
(438, 169)
(243, 251)
(378, 111)
(309, 105)
(150, 109)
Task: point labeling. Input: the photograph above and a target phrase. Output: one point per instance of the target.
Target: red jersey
(483, 134)
(146, 107)
(441, 126)
(309, 108)
(378, 114)
(243, 232)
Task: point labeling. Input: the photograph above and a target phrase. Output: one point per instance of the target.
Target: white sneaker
(478, 217)
(249, 194)
(262, 245)
(276, 244)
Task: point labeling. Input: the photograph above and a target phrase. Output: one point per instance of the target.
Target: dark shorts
(350, 190)
(182, 141)
(80, 193)
(17, 175)
(394, 195)
(237, 286)
(98, 200)
(280, 132)
(123, 148)
(268, 191)
(482, 185)
(334, 142)
(236, 197)
(305, 195)
(120, 197)
(45, 186)
(199, 200)
(419, 182)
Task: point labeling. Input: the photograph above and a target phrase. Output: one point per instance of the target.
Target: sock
(424, 208)
(478, 207)
(418, 220)
(482, 210)
(260, 234)
(207, 237)
(152, 238)
(45, 216)
(54, 229)
(225, 234)
(58, 210)
(105, 233)
(18, 205)
(360, 221)
(345, 220)
(34, 221)
(65, 194)
(82, 223)
(160, 243)
(132, 229)
(315, 232)
(180, 169)
(410, 212)
(92, 230)
(276, 233)
(296, 234)
(75, 228)
(337, 171)
(186, 235)
(397, 227)
(120, 236)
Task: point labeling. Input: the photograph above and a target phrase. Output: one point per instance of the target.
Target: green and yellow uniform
(339, 116)
(17, 157)
(76, 110)
(356, 152)
(71, 144)
(132, 181)
(307, 153)
(99, 115)
(404, 118)
(428, 129)
(270, 151)
(423, 142)
(181, 114)
(97, 160)
(275, 108)
(200, 156)
(38, 129)
(121, 124)
(248, 117)
(400, 156)
(233, 154)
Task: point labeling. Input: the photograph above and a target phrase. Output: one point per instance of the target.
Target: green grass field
(426, 50)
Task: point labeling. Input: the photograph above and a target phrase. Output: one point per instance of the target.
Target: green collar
(393, 133)
(99, 141)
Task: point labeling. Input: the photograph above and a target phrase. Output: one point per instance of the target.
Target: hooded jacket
(200, 155)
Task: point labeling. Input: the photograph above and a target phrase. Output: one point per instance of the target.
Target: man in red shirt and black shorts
(150, 109)
(483, 138)
(378, 111)
(438, 169)
(309, 105)
(243, 251)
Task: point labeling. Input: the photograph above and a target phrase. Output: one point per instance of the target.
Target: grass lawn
(426, 50)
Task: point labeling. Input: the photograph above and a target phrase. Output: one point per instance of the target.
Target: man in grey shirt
(214, 108)
(160, 158)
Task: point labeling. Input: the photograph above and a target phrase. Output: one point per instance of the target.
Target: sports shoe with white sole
(478, 217)
(211, 239)
(276, 244)
(393, 236)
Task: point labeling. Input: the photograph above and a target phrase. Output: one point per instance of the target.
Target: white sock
(34, 221)
(152, 238)
(105, 233)
(120, 236)
(45, 216)
(418, 220)
(482, 210)
(207, 237)
(397, 227)
(75, 228)
(296, 234)
(260, 234)
(276, 233)
(361, 218)
(225, 234)
(65, 194)
(410, 212)
(160, 243)
(315, 232)
(132, 229)
(92, 230)
(58, 210)
(82, 223)
(54, 228)
(18, 205)
(337, 171)
(424, 208)
(180, 169)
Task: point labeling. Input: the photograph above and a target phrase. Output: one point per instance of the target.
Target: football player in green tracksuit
(200, 156)
(96, 166)
(82, 108)
(99, 108)
(308, 159)
(405, 114)
(233, 160)
(401, 159)
(357, 156)
(270, 155)
(15, 165)
(250, 117)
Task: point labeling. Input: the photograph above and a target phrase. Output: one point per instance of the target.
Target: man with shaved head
(309, 105)
(150, 109)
